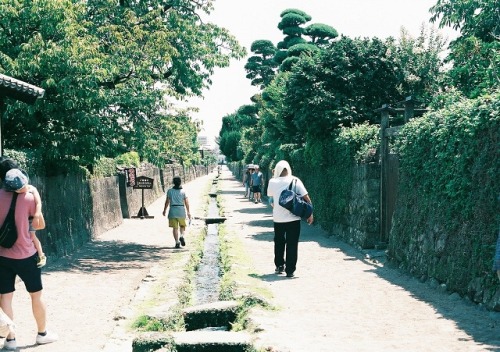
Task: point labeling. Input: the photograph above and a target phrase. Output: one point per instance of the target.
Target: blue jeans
(286, 244)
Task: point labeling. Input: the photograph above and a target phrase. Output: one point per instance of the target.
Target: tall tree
(321, 34)
(294, 44)
(343, 84)
(261, 66)
(233, 127)
(475, 54)
(291, 24)
(170, 137)
(107, 69)
(420, 64)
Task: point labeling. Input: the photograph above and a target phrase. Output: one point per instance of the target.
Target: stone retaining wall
(420, 241)
(77, 210)
(361, 226)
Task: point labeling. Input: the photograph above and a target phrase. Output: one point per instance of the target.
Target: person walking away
(21, 259)
(286, 224)
(257, 182)
(250, 183)
(246, 181)
(177, 199)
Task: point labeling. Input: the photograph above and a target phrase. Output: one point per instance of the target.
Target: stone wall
(67, 208)
(77, 210)
(360, 227)
(449, 252)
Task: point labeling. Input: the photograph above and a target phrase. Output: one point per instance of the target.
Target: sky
(258, 19)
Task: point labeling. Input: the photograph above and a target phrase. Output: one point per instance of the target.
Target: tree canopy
(261, 66)
(107, 70)
(325, 83)
(475, 54)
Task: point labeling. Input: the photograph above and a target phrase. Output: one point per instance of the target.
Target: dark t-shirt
(257, 178)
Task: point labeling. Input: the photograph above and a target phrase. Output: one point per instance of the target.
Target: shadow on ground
(106, 256)
(481, 325)
(269, 277)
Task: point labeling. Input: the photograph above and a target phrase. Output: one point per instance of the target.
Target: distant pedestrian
(250, 188)
(177, 199)
(257, 182)
(246, 181)
(286, 225)
(21, 259)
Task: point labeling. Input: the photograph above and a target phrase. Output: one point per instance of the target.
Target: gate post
(384, 155)
(409, 108)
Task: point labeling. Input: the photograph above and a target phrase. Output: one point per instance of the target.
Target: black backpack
(8, 230)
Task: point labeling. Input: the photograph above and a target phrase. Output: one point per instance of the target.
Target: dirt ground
(338, 301)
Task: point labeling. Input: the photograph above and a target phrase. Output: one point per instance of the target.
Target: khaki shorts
(176, 222)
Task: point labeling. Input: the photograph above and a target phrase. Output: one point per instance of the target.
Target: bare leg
(175, 231)
(39, 310)
(6, 305)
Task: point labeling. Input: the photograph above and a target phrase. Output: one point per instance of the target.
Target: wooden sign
(143, 182)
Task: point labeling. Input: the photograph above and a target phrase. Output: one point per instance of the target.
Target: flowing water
(207, 276)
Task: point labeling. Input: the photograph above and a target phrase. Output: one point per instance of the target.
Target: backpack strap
(13, 202)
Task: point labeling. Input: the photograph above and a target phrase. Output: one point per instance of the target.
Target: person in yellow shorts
(177, 200)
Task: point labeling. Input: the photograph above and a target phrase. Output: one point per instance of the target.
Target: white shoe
(49, 337)
(10, 345)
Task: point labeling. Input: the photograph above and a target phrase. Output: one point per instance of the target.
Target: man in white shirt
(286, 224)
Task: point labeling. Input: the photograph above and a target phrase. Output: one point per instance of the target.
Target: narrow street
(338, 301)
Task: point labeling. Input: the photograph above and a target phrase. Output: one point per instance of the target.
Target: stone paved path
(339, 301)
(93, 296)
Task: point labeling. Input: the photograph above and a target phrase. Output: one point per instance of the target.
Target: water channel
(207, 277)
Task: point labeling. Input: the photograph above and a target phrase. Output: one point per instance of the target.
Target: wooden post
(409, 109)
(384, 154)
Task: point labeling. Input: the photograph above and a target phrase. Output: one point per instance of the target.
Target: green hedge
(446, 222)
(326, 169)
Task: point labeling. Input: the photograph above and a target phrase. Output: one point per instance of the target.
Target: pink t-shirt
(25, 207)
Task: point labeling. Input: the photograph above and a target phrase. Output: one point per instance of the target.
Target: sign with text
(143, 182)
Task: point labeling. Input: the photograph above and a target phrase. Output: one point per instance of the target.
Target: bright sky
(258, 19)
